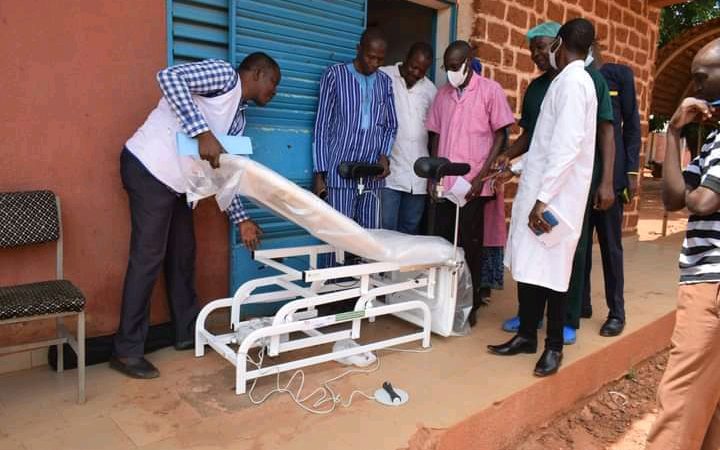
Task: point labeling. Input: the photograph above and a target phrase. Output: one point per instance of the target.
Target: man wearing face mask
(202, 99)
(556, 177)
(467, 119)
(689, 393)
(601, 194)
(355, 122)
(403, 198)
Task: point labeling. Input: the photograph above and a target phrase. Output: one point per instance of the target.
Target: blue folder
(234, 145)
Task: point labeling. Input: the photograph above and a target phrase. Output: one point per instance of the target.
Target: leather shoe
(612, 327)
(134, 367)
(187, 344)
(586, 313)
(549, 363)
(514, 346)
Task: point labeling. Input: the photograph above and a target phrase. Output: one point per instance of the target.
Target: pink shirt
(466, 125)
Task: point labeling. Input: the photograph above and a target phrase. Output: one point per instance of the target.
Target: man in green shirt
(602, 193)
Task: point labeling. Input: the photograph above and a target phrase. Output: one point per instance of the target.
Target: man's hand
(536, 221)
(503, 177)
(501, 163)
(319, 186)
(604, 197)
(210, 148)
(691, 110)
(632, 186)
(250, 234)
(475, 187)
(385, 163)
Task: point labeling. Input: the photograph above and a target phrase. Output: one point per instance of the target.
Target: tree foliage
(676, 19)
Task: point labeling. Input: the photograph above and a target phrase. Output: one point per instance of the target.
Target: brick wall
(626, 29)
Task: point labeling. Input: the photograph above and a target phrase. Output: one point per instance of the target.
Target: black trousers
(162, 237)
(609, 230)
(532, 306)
(470, 233)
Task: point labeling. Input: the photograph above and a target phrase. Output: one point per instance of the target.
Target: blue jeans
(402, 211)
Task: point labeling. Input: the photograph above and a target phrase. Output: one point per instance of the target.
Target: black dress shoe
(134, 367)
(549, 363)
(187, 344)
(586, 314)
(612, 327)
(514, 346)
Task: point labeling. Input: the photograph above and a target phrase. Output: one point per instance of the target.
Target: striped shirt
(355, 121)
(208, 78)
(700, 256)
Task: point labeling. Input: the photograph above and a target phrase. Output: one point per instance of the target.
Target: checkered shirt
(208, 78)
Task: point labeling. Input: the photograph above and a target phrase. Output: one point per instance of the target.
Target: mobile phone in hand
(550, 219)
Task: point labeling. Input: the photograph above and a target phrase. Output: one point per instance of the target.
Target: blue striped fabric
(339, 135)
(363, 209)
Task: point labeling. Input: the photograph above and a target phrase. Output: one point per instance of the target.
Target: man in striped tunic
(689, 393)
(355, 121)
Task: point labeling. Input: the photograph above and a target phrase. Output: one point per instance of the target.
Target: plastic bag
(463, 303)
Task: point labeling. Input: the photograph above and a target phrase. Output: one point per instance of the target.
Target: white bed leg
(240, 372)
(200, 340)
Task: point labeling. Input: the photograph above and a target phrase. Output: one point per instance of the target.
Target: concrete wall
(78, 79)
(627, 31)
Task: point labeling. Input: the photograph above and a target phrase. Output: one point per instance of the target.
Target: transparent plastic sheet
(241, 175)
(463, 303)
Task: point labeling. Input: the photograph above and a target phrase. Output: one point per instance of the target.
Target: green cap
(546, 29)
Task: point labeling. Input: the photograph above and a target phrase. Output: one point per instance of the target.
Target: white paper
(559, 233)
(234, 145)
(458, 191)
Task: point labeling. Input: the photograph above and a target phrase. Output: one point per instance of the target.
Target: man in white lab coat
(556, 175)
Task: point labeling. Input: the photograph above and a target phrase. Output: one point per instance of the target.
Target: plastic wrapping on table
(241, 175)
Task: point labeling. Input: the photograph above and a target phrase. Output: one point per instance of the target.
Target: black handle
(354, 170)
(391, 392)
(436, 168)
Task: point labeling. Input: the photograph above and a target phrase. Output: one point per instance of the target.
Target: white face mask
(457, 77)
(553, 53)
(589, 60)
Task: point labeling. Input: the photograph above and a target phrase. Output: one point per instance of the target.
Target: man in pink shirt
(467, 122)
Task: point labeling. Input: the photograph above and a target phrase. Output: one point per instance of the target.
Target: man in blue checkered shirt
(202, 100)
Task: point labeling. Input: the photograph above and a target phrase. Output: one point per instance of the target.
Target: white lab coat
(557, 170)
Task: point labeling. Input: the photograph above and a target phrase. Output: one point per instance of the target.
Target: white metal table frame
(300, 313)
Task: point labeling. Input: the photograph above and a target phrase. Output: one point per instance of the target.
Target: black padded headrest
(354, 170)
(436, 168)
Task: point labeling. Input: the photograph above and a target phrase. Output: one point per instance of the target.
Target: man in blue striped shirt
(355, 121)
(202, 100)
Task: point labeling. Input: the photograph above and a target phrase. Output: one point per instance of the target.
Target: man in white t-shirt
(403, 198)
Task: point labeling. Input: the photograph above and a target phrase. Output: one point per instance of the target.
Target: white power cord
(328, 394)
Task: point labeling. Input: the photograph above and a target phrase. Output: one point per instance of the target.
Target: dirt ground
(605, 420)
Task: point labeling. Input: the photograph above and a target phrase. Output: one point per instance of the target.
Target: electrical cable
(328, 394)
